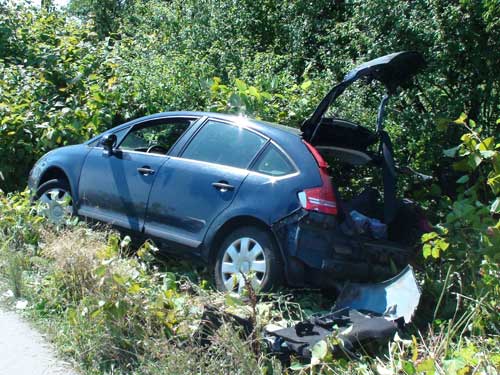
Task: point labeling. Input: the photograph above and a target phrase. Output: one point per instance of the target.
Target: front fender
(69, 160)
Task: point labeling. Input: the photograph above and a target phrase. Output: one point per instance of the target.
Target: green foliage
(469, 236)
(56, 88)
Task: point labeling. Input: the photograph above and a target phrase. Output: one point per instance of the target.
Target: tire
(56, 194)
(246, 249)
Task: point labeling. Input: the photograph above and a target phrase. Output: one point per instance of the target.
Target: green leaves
(434, 245)
(426, 367)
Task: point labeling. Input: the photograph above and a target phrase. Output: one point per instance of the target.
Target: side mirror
(108, 142)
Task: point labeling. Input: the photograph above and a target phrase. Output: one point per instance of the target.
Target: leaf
(409, 368)
(119, 279)
(452, 366)
(487, 144)
(494, 183)
(414, 354)
(442, 245)
(426, 250)
(134, 288)
(451, 152)
(305, 85)
(488, 154)
(298, 366)
(435, 252)
(427, 367)
(462, 180)
(169, 281)
(319, 350)
(495, 206)
(253, 92)
(100, 271)
(462, 165)
(240, 85)
(461, 119)
(429, 236)
(442, 123)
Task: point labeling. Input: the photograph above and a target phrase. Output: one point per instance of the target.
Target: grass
(114, 309)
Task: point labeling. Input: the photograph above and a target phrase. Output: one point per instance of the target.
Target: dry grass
(74, 253)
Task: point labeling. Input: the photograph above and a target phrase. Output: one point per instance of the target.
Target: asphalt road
(24, 351)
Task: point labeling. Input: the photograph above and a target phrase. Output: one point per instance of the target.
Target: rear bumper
(319, 254)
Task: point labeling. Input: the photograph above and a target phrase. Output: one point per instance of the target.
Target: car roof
(268, 129)
(271, 130)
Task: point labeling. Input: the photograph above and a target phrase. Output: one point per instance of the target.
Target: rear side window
(226, 144)
(273, 162)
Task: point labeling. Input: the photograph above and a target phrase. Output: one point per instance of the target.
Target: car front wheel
(248, 253)
(57, 203)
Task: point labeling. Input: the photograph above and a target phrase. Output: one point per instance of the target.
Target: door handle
(145, 171)
(222, 186)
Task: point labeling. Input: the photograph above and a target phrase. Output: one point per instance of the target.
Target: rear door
(193, 188)
(114, 187)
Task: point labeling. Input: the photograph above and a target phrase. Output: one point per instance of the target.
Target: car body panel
(112, 190)
(68, 159)
(183, 201)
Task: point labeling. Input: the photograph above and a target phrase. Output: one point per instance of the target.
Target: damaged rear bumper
(312, 241)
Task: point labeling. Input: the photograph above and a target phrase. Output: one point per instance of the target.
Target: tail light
(320, 199)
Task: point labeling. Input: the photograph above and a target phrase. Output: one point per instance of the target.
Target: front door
(114, 187)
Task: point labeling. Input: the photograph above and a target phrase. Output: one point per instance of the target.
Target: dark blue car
(246, 196)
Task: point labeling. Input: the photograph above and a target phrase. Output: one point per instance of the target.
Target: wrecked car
(246, 196)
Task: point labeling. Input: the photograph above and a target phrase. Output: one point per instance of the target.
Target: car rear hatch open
(351, 142)
(393, 71)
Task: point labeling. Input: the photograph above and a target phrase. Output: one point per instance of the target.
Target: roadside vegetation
(114, 306)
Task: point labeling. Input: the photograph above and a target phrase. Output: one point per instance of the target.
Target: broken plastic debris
(394, 298)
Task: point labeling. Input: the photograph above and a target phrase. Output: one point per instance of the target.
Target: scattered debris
(394, 298)
(363, 313)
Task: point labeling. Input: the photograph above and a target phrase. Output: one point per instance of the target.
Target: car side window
(156, 136)
(273, 162)
(222, 143)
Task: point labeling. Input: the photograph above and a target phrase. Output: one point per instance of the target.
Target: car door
(114, 187)
(193, 188)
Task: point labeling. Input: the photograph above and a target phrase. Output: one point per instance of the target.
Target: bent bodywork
(394, 299)
(318, 242)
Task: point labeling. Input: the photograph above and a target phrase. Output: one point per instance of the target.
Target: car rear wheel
(57, 203)
(248, 253)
